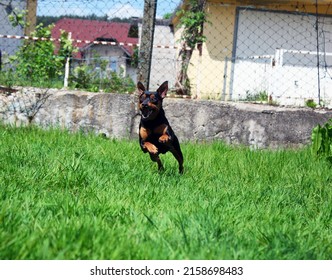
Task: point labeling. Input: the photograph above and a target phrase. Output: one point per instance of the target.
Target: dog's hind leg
(176, 151)
(155, 158)
(179, 158)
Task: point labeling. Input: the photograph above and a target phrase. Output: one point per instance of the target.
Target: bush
(35, 63)
(256, 96)
(311, 103)
(87, 78)
(35, 60)
(321, 138)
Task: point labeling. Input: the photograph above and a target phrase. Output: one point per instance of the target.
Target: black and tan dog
(155, 134)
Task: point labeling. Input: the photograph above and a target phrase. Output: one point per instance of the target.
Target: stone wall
(116, 115)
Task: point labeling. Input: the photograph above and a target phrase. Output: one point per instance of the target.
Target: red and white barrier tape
(83, 41)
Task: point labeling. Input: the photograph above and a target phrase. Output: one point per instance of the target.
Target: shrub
(35, 60)
(321, 138)
(256, 96)
(35, 63)
(87, 78)
(311, 103)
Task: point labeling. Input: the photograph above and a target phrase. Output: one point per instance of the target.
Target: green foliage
(7, 78)
(35, 63)
(133, 31)
(74, 196)
(311, 103)
(17, 18)
(192, 19)
(135, 57)
(256, 96)
(10, 78)
(46, 20)
(167, 15)
(87, 78)
(321, 141)
(119, 84)
(80, 77)
(36, 60)
(66, 46)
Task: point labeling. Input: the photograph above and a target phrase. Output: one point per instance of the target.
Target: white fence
(288, 77)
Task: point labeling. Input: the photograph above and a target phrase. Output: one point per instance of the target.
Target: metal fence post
(67, 66)
(146, 44)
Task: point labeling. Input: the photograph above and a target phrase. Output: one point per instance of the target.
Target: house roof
(94, 30)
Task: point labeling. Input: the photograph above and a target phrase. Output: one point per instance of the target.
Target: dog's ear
(141, 88)
(162, 90)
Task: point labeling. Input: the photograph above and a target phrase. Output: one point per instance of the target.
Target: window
(114, 64)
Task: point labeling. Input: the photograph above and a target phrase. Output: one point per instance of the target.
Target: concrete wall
(116, 115)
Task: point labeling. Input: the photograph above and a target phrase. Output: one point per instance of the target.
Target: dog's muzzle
(146, 111)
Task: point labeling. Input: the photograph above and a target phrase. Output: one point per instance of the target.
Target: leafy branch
(15, 16)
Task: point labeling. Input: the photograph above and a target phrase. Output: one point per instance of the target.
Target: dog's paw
(164, 138)
(150, 148)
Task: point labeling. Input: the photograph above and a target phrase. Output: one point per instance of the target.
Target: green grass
(70, 196)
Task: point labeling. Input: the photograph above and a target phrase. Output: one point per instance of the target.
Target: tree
(192, 19)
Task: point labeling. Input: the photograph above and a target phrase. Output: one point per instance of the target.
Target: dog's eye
(153, 99)
(142, 97)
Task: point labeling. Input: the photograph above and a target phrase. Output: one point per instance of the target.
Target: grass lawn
(74, 196)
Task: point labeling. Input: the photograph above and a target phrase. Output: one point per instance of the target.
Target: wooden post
(146, 44)
(31, 16)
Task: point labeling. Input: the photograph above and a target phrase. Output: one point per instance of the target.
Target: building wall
(163, 61)
(109, 53)
(279, 50)
(210, 74)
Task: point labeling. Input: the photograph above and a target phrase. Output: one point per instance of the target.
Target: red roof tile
(92, 29)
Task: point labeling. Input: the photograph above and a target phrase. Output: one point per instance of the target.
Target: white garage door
(276, 54)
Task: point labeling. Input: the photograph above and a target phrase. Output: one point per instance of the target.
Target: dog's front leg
(166, 133)
(145, 145)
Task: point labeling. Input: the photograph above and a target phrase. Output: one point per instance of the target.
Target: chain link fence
(273, 52)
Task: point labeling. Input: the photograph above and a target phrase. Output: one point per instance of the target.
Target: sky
(113, 8)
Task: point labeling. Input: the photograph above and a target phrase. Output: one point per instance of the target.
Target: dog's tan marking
(164, 138)
(152, 149)
(144, 133)
(162, 130)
